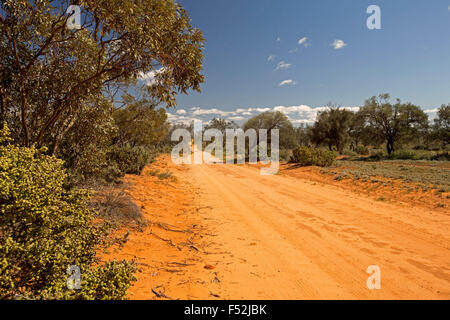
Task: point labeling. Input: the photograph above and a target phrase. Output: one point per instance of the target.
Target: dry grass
(426, 174)
(117, 207)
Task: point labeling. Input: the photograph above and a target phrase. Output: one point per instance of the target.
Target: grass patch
(428, 174)
(118, 208)
(161, 175)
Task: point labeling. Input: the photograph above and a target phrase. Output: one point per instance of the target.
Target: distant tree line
(379, 122)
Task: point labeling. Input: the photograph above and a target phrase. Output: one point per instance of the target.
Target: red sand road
(284, 237)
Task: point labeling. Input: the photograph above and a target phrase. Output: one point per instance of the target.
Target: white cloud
(150, 77)
(271, 58)
(293, 109)
(449, 8)
(302, 40)
(237, 118)
(214, 111)
(432, 110)
(300, 114)
(258, 109)
(287, 82)
(283, 66)
(181, 112)
(338, 44)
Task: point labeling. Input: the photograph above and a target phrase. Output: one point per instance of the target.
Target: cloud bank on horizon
(298, 115)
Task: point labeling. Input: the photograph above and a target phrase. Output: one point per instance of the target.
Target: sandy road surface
(226, 232)
(288, 238)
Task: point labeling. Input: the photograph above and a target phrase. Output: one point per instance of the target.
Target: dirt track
(300, 240)
(281, 237)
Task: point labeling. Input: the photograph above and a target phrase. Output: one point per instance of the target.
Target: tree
(302, 134)
(49, 72)
(84, 142)
(274, 120)
(392, 122)
(441, 127)
(140, 123)
(360, 133)
(332, 127)
(221, 124)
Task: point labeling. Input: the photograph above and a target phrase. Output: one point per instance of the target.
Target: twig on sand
(201, 208)
(160, 294)
(194, 248)
(168, 241)
(166, 227)
(170, 264)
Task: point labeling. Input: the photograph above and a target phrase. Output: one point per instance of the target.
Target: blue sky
(408, 58)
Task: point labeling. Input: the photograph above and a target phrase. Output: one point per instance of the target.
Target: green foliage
(129, 160)
(50, 72)
(441, 127)
(362, 150)
(285, 154)
(332, 128)
(444, 156)
(376, 156)
(274, 120)
(108, 282)
(44, 229)
(84, 146)
(140, 123)
(392, 122)
(307, 156)
(221, 124)
(404, 155)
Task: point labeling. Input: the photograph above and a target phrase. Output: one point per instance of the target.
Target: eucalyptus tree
(49, 72)
(393, 121)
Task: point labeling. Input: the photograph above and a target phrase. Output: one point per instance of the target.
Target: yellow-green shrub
(129, 160)
(44, 229)
(307, 156)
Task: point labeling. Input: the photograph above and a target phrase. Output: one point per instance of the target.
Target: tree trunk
(390, 146)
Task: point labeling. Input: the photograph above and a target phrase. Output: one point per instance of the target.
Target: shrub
(44, 229)
(362, 150)
(349, 152)
(444, 156)
(285, 154)
(118, 208)
(129, 160)
(308, 156)
(402, 155)
(376, 156)
(420, 147)
(409, 155)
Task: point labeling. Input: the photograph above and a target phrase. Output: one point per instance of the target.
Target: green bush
(409, 155)
(129, 160)
(44, 229)
(362, 150)
(444, 156)
(402, 155)
(376, 156)
(349, 152)
(307, 156)
(285, 154)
